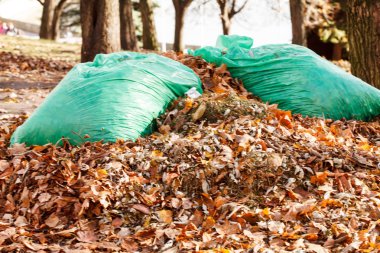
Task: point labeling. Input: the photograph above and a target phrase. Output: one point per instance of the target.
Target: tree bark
(57, 19)
(226, 26)
(178, 31)
(180, 7)
(363, 28)
(127, 28)
(46, 19)
(226, 22)
(149, 29)
(337, 52)
(100, 27)
(297, 12)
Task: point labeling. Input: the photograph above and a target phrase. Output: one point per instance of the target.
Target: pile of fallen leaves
(16, 67)
(225, 173)
(214, 79)
(15, 62)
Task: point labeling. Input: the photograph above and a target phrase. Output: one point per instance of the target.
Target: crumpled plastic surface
(295, 78)
(117, 96)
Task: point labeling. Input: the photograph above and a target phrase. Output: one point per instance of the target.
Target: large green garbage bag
(117, 96)
(295, 78)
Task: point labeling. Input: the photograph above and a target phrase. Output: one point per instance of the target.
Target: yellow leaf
(208, 223)
(224, 251)
(364, 146)
(188, 105)
(266, 212)
(164, 129)
(207, 154)
(157, 153)
(101, 173)
(298, 146)
(146, 222)
(204, 162)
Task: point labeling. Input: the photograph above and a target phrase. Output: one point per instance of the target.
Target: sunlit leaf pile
(223, 173)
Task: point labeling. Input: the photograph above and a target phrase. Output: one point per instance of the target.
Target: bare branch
(62, 3)
(176, 4)
(233, 6)
(222, 6)
(40, 1)
(187, 2)
(234, 12)
(221, 2)
(205, 2)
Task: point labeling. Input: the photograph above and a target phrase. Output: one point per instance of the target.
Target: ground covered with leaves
(41, 63)
(223, 173)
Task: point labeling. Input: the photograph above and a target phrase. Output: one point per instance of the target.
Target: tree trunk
(180, 7)
(46, 19)
(228, 9)
(337, 52)
(224, 17)
(57, 19)
(363, 18)
(297, 11)
(100, 27)
(127, 28)
(149, 29)
(178, 32)
(226, 23)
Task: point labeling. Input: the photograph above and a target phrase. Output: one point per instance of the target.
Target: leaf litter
(18, 68)
(223, 173)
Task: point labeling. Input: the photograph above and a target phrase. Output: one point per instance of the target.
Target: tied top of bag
(228, 41)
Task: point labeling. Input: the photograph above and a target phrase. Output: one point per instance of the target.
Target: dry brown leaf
(117, 222)
(21, 221)
(17, 149)
(86, 236)
(199, 112)
(165, 216)
(142, 208)
(52, 221)
(316, 248)
(44, 197)
(3, 165)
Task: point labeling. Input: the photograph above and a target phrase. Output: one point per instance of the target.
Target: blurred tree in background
(364, 39)
(149, 34)
(70, 19)
(319, 25)
(100, 27)
(228, 9)
(297, 13)
(180, 7)
(333, 28)
(51, 17)
(128, 37)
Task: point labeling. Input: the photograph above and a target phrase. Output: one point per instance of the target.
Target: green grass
(40, 48)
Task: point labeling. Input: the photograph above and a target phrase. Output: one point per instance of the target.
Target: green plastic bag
(295, 78)
(117, 96)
